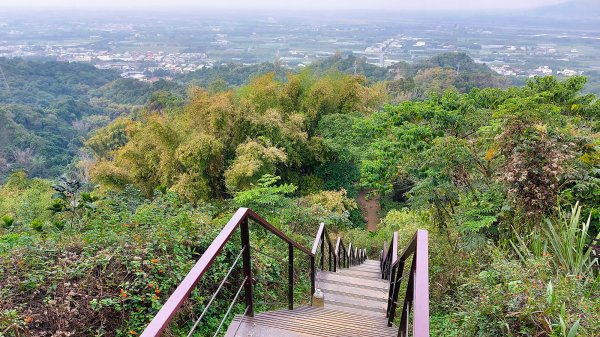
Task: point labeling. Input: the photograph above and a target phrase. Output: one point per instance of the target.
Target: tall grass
(566, 239)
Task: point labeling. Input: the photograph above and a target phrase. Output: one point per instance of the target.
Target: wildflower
(155, 297)
(123, 293)
(126, 225)
(157, 291)
(133, 333)
(28, 319)
(154, 260)
(150, 285)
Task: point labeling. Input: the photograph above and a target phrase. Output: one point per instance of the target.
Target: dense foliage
(48, 107)
(222, 143)
(494, 173)
(506, 181)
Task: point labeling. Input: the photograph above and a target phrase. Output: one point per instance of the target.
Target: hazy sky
(282, 4)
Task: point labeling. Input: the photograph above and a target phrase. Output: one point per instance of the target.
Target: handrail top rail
(411, 247)
(182, 292)
(317, 238)
(337, 246)
(321, 232)
(395, 248)
(252, 215)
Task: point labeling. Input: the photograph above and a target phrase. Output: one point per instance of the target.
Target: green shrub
(37, 225)
(7, 221)
(60, 225)
(511, 298)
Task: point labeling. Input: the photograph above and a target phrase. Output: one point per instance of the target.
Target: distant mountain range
(575, 10)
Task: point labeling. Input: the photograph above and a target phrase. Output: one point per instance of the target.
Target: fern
(266, 195)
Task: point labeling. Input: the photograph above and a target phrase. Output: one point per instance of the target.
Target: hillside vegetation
(45, 111)
(506, 181)
(48, 108)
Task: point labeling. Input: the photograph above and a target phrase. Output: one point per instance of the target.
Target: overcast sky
(281, 4)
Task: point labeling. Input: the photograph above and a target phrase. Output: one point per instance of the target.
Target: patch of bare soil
(370, 209)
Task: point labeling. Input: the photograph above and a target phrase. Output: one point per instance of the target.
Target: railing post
(408, 300)
(245, 236)
(322, 249)
(346, 258)
(336, 253)
(329, 253)
(349, 254)
(290, 276)
(421, 286)
(383, 259)
(312, 278)
(390, 295)
(396, 278)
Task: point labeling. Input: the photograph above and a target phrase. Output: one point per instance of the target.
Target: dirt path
(370, 209)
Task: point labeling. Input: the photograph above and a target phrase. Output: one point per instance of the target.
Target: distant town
(149, 48)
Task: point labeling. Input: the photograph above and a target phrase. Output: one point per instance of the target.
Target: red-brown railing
(417, 289)
(239, 220)
(348, 257)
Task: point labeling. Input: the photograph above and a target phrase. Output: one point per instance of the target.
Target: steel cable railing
(239, 221)
(212, 298)
(327, 255)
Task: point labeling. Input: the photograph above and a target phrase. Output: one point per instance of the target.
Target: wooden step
(355, 281)
(337, 288)
(371, 262)
(359, 311)
(310, 321)
(360, 273)
(367, 268)
(361, 305)
(355, 304)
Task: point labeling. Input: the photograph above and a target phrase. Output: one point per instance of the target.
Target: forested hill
(47, 108)
(44, 108)
(41, 84)
(405, 80)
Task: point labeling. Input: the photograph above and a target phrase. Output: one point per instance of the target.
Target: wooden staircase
(361, 295)
(355, 305)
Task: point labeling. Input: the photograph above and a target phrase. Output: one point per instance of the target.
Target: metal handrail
(182, 292)
(321, 240)
(417, 290)
(351, 256)
(342, 261)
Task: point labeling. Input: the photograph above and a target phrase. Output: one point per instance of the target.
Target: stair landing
(355, 303)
